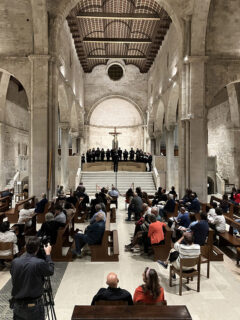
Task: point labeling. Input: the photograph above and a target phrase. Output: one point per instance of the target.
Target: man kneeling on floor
(93, 234)
(112, 293)
(184, 248)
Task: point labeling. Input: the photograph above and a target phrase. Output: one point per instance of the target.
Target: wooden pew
(47, 208)
(5, 203)
(113, 215)
(63, 241)
(100, 252)
(161, 252)
(135, 312)
(81, 214)
(13, 213)
(227, 238)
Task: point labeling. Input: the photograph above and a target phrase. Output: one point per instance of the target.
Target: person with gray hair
(98, 209)
(50, 228)
(93, 234)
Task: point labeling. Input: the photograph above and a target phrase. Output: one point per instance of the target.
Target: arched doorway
(211, 187)
(14, 131)
(120, 113)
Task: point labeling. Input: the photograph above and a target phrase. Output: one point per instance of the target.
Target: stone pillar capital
(64, 125)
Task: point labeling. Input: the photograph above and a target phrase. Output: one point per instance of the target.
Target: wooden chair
(6, 246)
(111, 303)
(192, 262)
(205, 257)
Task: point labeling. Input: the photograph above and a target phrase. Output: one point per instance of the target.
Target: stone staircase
(125, 180)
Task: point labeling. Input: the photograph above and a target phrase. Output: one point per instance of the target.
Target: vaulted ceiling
(132, 30)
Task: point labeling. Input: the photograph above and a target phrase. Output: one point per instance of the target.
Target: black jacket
(113, 294)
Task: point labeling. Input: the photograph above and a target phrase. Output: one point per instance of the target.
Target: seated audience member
(155, 235)
(139, 192)
(183, 218)
(224, 205)
(93, 235)
(103, 196)
(194, 203)
(154, 211)
(26, 214)
(219, 222)
(50, 228)
(186, 197)
(200, 230)
(113, 192)
(173, 192)
(112, 293)
(70, 209)
(157, 197)
(73, 198)
(169, 207)
(82, 195)
(212, 212)
(145, 199)
(40, 206)
(135, 207)
(151, 291)
(193, 220)
(129, 195)
(236, 197)
(184, 248)
(7, 236)
(60, 216)
(98, 209)
(60, 193)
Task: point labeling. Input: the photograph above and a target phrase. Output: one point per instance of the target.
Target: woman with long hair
(151, 291)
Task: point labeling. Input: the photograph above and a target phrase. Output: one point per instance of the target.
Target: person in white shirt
(26, 214)
(184, 248)
(212, 213)
(8, 236)
(219, 222)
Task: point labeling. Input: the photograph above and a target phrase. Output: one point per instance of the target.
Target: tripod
(48, 300)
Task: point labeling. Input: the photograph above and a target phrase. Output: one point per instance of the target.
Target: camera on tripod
(43, 242)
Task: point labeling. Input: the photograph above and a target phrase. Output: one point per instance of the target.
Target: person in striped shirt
(184, 248)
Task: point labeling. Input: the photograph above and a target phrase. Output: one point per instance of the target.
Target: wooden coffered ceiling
(132, 30)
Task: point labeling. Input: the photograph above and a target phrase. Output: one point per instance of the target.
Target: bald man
(113, 293)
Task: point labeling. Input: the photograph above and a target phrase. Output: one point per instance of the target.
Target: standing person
(115, 161)
(150, 162)
(151, 291)
(131, 154)
(102, 154)
(97, 153)
(83, 158)
(93, 155)
(120, 154)
(108, 154)
(28, 274)
(40, 206)
(125, 155)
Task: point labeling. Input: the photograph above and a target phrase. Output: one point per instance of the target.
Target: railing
(156, 177)
(78, 177)
(12, 182)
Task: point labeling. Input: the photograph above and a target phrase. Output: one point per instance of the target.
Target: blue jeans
(23, 312)
(80, 241)
(236, 230)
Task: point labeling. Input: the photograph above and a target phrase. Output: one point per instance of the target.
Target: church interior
(101, 96)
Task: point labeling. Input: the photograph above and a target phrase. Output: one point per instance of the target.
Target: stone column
(64, 154)
(144, 138)
(38, 174)
(234, 102)
(74, 144)
(170, 159)
(158, 144)
(198, 129)
(2, 161)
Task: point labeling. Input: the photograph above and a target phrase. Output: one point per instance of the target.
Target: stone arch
(63, 104)
(40, 26)
(117, 97)
(171, 112)
(199, 27)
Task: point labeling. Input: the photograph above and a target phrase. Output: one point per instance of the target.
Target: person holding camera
(28, 272)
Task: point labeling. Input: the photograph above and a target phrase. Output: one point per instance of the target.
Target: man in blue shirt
(98, 209)
(200, 230)
(183, 218)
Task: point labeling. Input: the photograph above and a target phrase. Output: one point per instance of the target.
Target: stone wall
(133, 85)
(16, 31)
(221, 140)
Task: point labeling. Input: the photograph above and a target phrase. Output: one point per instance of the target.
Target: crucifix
(115, 140)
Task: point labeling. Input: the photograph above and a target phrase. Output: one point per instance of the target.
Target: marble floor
(218, 299)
